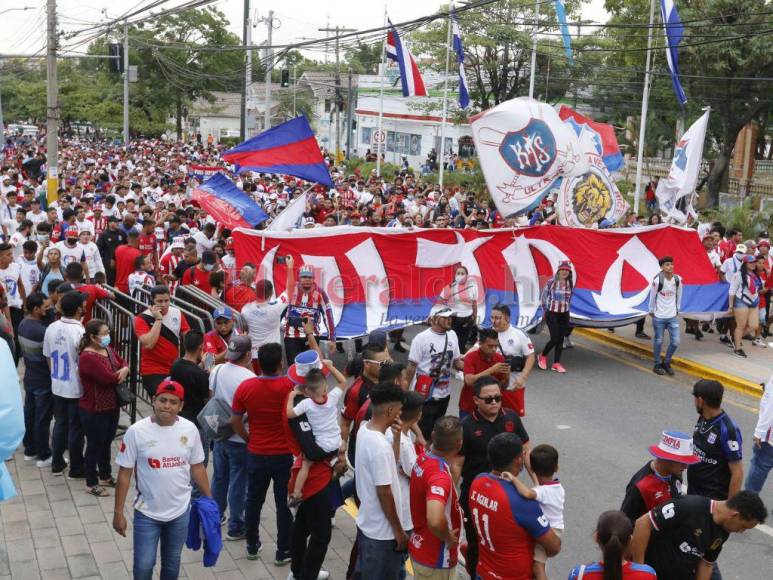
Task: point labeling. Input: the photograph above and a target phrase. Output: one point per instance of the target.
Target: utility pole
(245, 36)
(533, 51)
(247, 75)
(644, 105)
(349, 106)
(338, 30)
(269, 58)
(126, 85)
(52, 108)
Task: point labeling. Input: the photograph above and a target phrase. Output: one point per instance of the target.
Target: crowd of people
(439, 488)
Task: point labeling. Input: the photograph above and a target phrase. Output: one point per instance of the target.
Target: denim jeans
(661, 325)
(262, 470)
(205, 443)
(229, 481)
(377, 559)
(68, 434)
(99, 428)
(147, 533)
(38, 410)
(761, 464)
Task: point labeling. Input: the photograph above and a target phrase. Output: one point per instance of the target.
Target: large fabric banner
(390, 278)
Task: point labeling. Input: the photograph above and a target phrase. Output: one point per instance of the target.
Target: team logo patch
(712, 438)
(437, 490)
(154, 463)
(183, 440)
(530, 151)
(509, 426)
(123, 447)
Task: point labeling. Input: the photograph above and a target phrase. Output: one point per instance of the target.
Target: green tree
(364, 58)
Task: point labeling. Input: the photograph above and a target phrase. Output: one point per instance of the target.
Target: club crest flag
(685, 168)
(524, 149)
(590, 197)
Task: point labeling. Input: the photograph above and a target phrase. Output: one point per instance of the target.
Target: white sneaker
(44, 462)
(758, 342)
(323, 575)
(568, 342)
(30, 457)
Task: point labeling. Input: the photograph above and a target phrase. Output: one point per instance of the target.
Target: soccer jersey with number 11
(61, 346)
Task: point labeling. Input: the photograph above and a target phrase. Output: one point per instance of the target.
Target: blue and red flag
(228, 204)
(287, 149)
(606, 140)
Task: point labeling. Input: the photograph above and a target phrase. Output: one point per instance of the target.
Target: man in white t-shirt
(229, 477)
(10, 278)
(513, 342)
(205, 239)
(60, 347)
(381, 538)
(262, 316)
(433, 356)
(665, 301)
(166, 452)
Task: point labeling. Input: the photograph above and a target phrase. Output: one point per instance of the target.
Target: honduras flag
(464, 92)
(673, 28)
(561, 13)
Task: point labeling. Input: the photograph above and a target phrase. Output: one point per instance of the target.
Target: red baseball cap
(170, 387)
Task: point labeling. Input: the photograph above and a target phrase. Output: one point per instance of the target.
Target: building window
(367, 135)
(328, 104)
(466, 147)
(403, 143)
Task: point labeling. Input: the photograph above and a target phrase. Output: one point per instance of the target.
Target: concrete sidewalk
(707, 358)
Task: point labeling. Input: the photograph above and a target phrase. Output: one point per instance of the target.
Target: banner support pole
(644, 106)
(442, 155)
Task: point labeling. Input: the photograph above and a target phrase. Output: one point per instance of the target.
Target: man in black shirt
(487, 420)
(195, 381)
(682, 539)
(717, 441)
(107, 242)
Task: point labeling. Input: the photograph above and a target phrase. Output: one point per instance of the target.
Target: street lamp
(12, 9)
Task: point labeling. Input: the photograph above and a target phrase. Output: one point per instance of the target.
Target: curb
(739, 384)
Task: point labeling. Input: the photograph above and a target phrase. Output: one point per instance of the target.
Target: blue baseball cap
(223, 312)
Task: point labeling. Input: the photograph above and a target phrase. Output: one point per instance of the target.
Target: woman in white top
(744, 300)
(462, 297)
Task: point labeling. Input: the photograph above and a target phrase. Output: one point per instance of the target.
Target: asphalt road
(601, 416)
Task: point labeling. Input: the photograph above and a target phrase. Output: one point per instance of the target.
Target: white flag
(291, 216)
(685, 167)
(524, 149)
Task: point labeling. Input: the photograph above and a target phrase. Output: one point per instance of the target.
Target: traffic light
(115, 65)
(285, 82)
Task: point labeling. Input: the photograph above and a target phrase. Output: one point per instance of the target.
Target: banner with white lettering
(390, 278)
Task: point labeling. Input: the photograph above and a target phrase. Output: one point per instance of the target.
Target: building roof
(225, 105)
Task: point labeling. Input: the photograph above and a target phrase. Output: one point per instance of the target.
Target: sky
(24, 31)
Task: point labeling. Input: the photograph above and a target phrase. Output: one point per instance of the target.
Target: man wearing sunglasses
(487, 420)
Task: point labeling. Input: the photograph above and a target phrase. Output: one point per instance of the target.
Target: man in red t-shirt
(73, 274)
(479, 362)
(199, 275)
(159, 330)
(241, 292)
(216, 341)
(125, 257)
(435, 512)
(269, 459)
(510, 525)
(148, 244)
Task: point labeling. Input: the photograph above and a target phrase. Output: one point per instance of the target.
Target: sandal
(97, 491)
(107, 482)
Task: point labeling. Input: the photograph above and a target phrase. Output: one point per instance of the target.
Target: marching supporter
(435, 513)
(461, 296)
(169, 262)
(242, 290)
(613, 536)
(480, 362)
(198, 275)
(518, 351)
(230, 457)
(216, 341)
(142, 277)
(269, 459)
(70, 249)
(718, 442)
(159, 329)
(660, 480)
(683, 538)
(549, 493)
(164, 453)
(229, 260)
(148, 243)
(381, 538)
(762, 308)
(15, 294)
(306, 300)
(762, 460)
(487, 421)
(92, 257)
(665, 300)
(125, 260)
(22, 235)
(30, 273)
(264, 313)
(109, 240)
(405, 451)
(729, 245)
(434, 354)
(205, 239)
(98, 219)
(73, 275)
(60, 347)
(52, 271)
(101, 369)
(510, 525)
(81, 222)
(743, 302)
(556, 301)
(38, 400)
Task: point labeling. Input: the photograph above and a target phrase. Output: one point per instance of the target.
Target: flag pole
(534, 51)
(381, 101)
(445, 104)
(644, 107)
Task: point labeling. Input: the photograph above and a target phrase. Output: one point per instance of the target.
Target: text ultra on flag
(410, 76)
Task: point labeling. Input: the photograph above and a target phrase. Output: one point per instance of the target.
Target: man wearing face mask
(199, 275)
(307, 301)
(70, 249)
